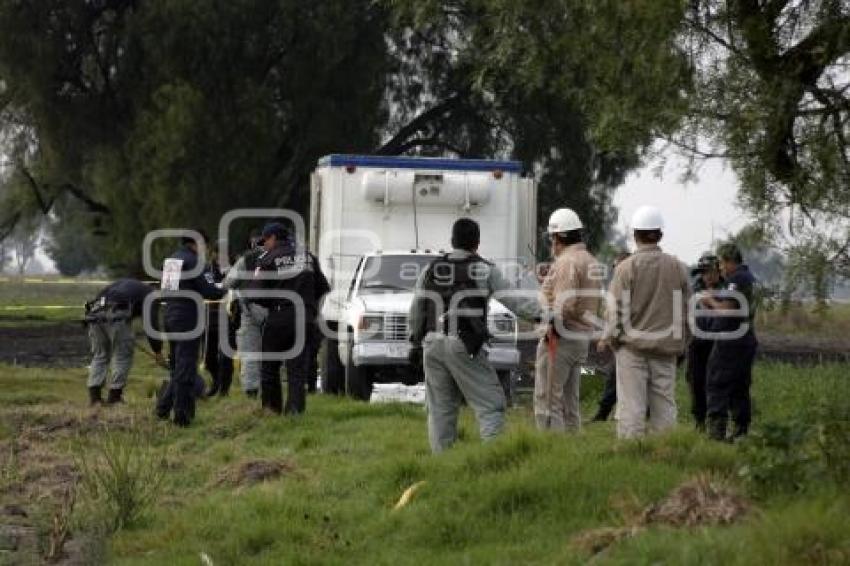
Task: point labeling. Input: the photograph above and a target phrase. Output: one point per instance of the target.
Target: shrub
(122, 474)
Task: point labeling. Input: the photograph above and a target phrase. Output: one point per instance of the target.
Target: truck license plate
(398, 351)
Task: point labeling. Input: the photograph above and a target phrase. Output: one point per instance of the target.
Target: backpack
(468, 317)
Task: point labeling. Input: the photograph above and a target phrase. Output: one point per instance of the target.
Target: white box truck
(376, 222)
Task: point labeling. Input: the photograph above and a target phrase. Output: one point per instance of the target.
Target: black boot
(115, 397)
(740, 431)
(271, 395)
(94, 396)
(717, 429)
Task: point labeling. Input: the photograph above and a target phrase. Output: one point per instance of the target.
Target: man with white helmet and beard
(570, 297)
(646, 326)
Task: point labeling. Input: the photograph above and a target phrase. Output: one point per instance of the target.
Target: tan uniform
(572, 292)
(647, 326)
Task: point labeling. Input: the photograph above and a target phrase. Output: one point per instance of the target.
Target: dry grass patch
(252, 472)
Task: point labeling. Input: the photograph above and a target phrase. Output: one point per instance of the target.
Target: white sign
(171, 271)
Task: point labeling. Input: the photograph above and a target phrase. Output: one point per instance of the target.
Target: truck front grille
(395, 327)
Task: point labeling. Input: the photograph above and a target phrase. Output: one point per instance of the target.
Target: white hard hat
(647, 218)
(564, 220)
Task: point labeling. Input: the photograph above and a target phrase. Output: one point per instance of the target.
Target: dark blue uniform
(730, 364)
(181, 315)
(699, 351)
(300, 274)
(216, 361)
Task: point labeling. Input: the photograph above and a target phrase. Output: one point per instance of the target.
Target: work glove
(414, 356)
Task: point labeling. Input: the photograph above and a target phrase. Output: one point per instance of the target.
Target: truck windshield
(393, 272)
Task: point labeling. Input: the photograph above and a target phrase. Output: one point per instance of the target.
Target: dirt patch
(37, 424)
(253, 472)
(58, 345)
(703, 500)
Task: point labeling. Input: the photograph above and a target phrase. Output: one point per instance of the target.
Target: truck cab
(373, 342)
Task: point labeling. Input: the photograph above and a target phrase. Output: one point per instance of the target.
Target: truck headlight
(371, 326)
(502, 327)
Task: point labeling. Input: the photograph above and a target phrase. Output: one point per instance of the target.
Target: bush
(122, 474)
(788, 457)
(778, 459)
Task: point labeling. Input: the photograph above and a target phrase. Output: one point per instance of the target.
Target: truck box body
(361, 204)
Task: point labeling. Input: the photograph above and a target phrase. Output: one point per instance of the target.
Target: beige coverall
(647, 326)
(572, 293)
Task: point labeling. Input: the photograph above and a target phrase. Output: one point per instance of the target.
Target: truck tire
(507, 382)
(357, 379)
(333, 376)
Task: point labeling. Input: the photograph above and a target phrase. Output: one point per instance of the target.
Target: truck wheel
(333, 376)
(506, 379)
(357, 379)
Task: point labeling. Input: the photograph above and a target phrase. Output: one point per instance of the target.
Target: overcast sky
(691, 210)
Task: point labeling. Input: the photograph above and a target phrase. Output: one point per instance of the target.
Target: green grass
(519, 499)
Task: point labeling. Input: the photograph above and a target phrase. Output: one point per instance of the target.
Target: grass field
(51, 299)
(527, 497)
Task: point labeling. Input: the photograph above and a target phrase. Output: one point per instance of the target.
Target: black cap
(706, 261)
(275, 229)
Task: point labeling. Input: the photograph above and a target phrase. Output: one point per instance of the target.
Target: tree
(169, 113)
(163, 113)
(24, 242)
(576, 90)
(72, 242)
(772, 94)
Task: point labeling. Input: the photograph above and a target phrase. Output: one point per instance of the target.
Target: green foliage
(778, 459)
(799, 454)
(771, 95)
(72, 242)
(169, 113)
(576, 90)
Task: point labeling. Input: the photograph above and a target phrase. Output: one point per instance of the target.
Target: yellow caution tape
(46, 307)
(57, 307)
(64, 281)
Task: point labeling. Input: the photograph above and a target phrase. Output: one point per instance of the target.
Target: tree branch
(395, 145)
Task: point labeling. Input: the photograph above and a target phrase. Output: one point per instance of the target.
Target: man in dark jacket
(285, 267)
(110, 323)
(181, 315)
(730, 364)
(708, 278)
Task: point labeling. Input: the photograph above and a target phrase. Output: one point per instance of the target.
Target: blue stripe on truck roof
(337, 160)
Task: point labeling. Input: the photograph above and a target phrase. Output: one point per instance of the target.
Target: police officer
(286, 267)
(109, 317)
(730, 364)
(251, 315)
(181, 315)
(449, 342)
(708, 278)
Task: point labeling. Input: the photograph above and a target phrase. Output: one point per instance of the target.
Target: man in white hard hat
(570, 297)
(646, 325)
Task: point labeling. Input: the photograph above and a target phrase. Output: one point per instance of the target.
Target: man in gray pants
(447, 335)
(252, 317)
(110, 320)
